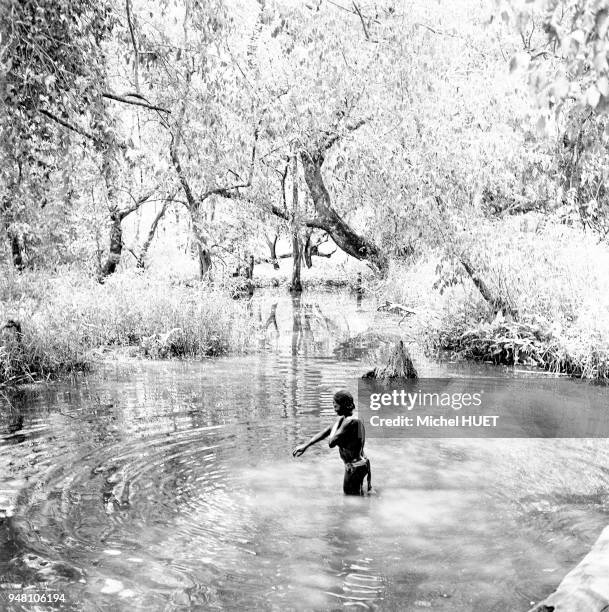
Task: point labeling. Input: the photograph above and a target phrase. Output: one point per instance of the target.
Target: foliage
(574, 37)
(431, 146)
(565, 54)
(513, 343)
(555, 277)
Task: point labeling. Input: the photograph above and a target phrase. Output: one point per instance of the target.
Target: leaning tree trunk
(329, 220)
(497, 303)
(141, 262)
(116, 236)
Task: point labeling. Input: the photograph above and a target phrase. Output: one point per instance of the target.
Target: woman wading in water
(349, 435)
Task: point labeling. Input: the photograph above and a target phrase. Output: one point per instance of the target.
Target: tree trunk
(296, 284)
(193, 206)
(116, 245)
(329, 220)
(141, 262)
(272, 244)
(203, 252)
(16, 251)
(249, 274)
(308, 250)
(497, 303)
(110, 171)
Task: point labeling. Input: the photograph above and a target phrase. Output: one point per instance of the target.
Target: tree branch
(232, 190)
(67, 125)
(279, 212)
(313, 222)
(361, 17)
(344, 8)
(136, 203)
(330, 139)
(137, 101)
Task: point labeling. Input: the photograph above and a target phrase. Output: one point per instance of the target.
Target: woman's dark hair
(344, 399)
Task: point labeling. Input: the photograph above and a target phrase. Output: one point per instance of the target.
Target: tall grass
(66, 318)
(555, 277)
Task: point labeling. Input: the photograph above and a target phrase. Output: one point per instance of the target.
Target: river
(171, 486)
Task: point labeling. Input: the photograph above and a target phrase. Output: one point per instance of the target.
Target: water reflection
(171, 486)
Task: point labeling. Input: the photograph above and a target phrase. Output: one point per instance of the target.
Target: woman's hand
(299, 450)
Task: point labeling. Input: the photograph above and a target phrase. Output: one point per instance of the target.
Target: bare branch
(361, 17)
(137, 101)
(344, 8)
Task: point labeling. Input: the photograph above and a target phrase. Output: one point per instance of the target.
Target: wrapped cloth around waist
(358, 463)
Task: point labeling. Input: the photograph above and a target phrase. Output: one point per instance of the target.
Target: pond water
(171, 486)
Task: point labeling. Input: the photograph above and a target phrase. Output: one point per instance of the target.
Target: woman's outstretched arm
(316, 438)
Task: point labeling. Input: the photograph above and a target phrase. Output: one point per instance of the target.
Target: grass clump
(67, 320)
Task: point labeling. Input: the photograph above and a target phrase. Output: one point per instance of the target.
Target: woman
(349, 435)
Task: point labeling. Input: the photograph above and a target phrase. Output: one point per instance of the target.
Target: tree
(296, 230)
(305, 46)
(51, 62)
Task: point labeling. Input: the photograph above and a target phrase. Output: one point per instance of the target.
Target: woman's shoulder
(356, 421)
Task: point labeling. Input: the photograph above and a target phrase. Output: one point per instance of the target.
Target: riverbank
(553, 277)
(66, 321)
